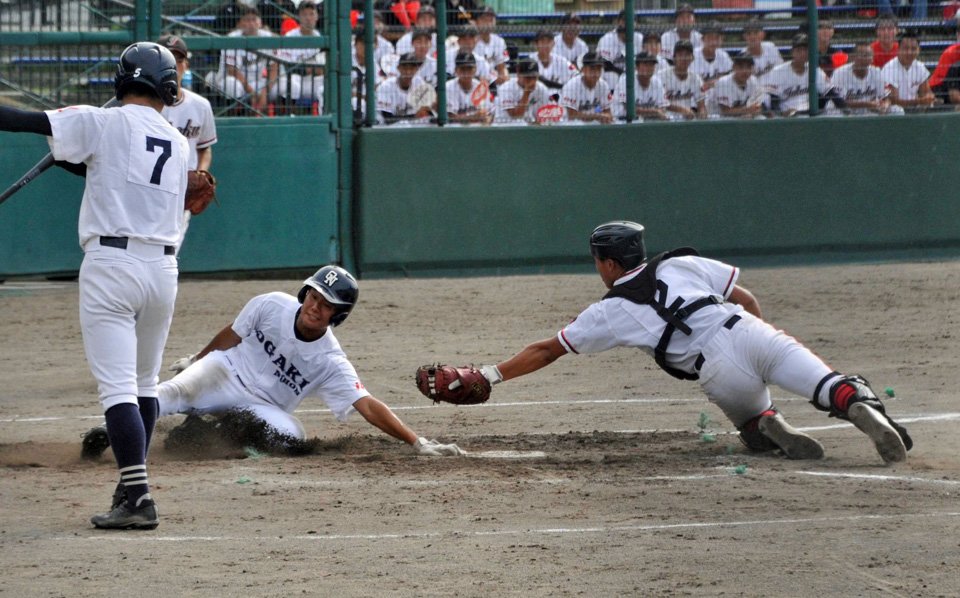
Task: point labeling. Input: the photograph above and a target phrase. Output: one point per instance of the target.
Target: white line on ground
(880, 478)
(600, 529)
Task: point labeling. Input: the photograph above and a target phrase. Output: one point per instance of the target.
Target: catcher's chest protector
(646, 289)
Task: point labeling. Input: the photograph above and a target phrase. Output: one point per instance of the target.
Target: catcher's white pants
(126, 306)
(741, 361)
(211, 385)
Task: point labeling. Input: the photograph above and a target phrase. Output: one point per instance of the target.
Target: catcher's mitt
(201, 190)
(461, 386)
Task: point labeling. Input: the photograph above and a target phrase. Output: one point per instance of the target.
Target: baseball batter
(689, 313)
(279, 351)
(192, 115)
(136, 181)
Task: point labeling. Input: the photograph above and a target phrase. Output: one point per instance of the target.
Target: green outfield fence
(320, 178)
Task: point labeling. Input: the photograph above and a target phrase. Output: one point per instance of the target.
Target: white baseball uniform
(711, 69)
(253, 67)
(793, 88)
(670, 38)
(610, 48)
(509, 95)
(728, 93)
(737, 353)
(428, 71)
(494, 51)
(461, 102)
(307, 86)
(269, 373)
(193, 117)
(133, 198)
(685, 92)
(405, 43)
(559, 71)
(768, 58)
(650, 97)
(392, 99)
(483, 67)
(581, 98)
(851, 87)
(906, 80)
(571, 53)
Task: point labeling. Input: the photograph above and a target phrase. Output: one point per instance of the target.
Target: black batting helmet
(337, 286)
(150, 65)
(620, 240)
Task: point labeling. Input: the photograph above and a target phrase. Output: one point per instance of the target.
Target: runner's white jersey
(853, 88)
(461, 102)
(559, 71)
(711, 69)
(578, 96)
(768, 59)
(670, 38)
(279, 368)
(907, 81)
(650, 97)
(793, 88)
(573, 53)
(136, 170)
(682, 92)
(193, 117)
(618, 322)
(509, 95)
(730, 94)
(392, 98)
(495, 50)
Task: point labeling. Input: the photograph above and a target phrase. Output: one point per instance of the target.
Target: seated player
(612, 49)
(860, 86)
(568, 43)
(519, 99)
(652, 45)
(739, 94)
(907, 78)
(393, 95)
(586, 97)
(683, 87)
(491, 46)
(685, 23)
(468, 99)
(555, 70)
(789, 83)
(711, 62)
(651, 100)
(765, 54)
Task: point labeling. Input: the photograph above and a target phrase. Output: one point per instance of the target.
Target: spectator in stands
(949, 57)
(587, 97)
(765, 54)
(241, 73)
(951, 84)
(462, 12)
(425, 53)
(612, 48)
(652, 46)
(907, 78)
(491, 46)
(683, 88)
(555, 70)
(829, 57)
(467, 42)
(468, 99)
(789, 84)
(274, 12)
(685, 22)
(306, 86)
(859, 84)
(426, 20)
(885, 47)
(384, 46)
(519, 99)
(358, 75)
(739, 94)
(709, 60)
(567, 43)
(650, 98)
(393, 94)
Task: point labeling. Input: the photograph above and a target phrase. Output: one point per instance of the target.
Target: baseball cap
(683, 45)
(542, 34)
(527, 66)
(307, 4)
(645, 57)
(426, 10)
(685, 7)
(743, 57)
(175, 44)
(486, 10)
(712, 27)
(427, 33)
(800, 40)
(469, 30)
(465, 59)
(651, 35)
(592, 58)
(753, 25)
(571, 18)
(409, 58)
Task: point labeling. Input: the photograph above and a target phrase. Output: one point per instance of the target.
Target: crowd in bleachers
(685, 70)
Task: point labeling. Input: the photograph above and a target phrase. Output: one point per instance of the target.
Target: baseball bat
(41, 166)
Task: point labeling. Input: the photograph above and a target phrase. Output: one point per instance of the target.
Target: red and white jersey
(767, 60)
(906, 80)
(851, 87)
(136, 170)
(571, 53)
(792, 87)
(560, 70)
(392, 99)
(494, 51)
(461, 102)
(581, 98)
(670, 38)
(729, 93)
(711, 69)
(312, 56)
(405, 44)
(193, 117)
(509, 95)
(618, 322)
(651, 96)
(682, 92)
(274, 365)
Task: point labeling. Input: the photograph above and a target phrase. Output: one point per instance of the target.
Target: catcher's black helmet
(149, 65)
(620, 240)
(337, 286)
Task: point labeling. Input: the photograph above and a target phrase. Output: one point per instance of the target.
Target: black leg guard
(855, 389)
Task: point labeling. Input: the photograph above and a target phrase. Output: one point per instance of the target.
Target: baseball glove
(458, 385)
(201, 190)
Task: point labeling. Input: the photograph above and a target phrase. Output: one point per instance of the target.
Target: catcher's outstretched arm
(538, 355)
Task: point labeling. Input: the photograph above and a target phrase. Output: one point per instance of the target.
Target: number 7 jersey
(136, 170)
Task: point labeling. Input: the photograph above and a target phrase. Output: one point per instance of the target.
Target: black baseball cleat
(792, 442)
(126, 517)
(95, 441)
(877, 426)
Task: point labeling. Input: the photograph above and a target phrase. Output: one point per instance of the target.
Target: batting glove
(182, 363)
(432, 448)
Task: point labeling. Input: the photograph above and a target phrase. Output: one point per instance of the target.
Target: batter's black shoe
(126, 517)
(95, 441)
(119, 496)
(770, 432)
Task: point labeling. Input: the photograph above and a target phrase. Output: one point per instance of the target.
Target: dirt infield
(592, 477)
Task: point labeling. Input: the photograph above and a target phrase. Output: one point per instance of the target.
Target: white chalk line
(600, 529)
(881, 478)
